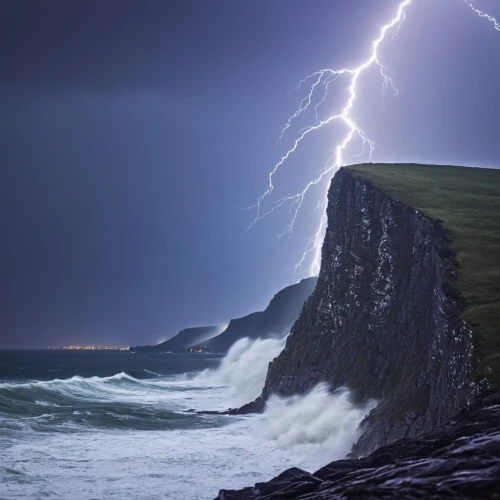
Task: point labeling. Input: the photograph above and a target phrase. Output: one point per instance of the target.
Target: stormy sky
(131, 132)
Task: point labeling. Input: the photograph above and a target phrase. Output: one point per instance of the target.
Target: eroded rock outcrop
(384, 319)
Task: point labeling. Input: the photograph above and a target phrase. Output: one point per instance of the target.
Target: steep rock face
(459, 460)
(276, 319)
(384, 319)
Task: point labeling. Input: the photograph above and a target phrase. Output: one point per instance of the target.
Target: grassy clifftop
(467, 200)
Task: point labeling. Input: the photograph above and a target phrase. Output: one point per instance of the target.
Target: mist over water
(80, 434)
(243, 370)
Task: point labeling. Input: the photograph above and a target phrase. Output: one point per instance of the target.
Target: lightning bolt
(483, 14)
(318, 84)
(321, 82)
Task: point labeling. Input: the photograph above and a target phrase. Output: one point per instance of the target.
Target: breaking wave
(311, 425)
(116, 402)
(243, 370)
(320, 423)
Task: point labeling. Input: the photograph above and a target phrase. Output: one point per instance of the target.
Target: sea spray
(243, 370)
(318, 424)
(139, 430)
(311, 426)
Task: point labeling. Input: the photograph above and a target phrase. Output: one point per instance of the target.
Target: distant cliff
(385, 318)
(276, 319)
(184, 339)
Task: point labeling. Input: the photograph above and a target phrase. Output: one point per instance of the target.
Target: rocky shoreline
(459, 460)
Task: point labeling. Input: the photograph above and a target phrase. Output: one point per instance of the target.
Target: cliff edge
(386, 318)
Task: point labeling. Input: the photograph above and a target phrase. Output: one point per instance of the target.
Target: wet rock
(384, 319)
(288, 484)
(256, 406)
(458, 460)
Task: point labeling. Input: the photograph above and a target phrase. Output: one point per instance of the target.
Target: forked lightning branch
(319, 85)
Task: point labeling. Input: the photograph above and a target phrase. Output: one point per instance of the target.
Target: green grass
(467, 200)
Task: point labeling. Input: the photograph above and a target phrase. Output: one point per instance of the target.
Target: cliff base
(458, 460)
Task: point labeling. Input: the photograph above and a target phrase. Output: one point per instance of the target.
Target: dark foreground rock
(458, 460)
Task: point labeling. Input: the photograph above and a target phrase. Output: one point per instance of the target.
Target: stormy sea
(118, 424)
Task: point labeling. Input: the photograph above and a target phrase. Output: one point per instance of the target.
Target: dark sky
(130, 131)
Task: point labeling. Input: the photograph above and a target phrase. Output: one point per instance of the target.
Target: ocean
(116, 424)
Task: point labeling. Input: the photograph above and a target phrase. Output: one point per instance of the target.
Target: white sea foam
(319, 424)
(45, 403)
(243, 370)
(190, 462)
(152, 373)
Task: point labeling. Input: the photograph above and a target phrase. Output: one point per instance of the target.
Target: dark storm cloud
(129, 44)
(95, 44)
